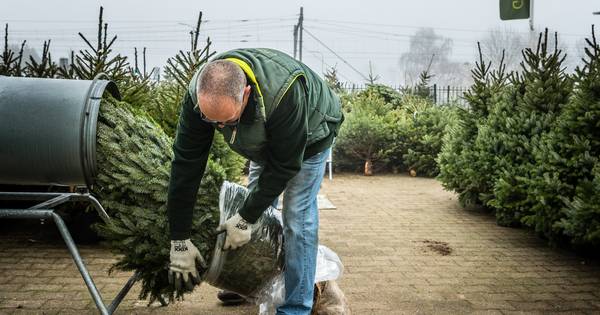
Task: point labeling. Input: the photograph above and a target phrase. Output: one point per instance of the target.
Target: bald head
(221, 89)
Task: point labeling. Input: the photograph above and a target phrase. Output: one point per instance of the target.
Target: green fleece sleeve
(191, 148)
(287, 132)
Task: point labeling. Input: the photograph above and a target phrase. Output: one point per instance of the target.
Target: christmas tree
(365, 134)
(134, 156)
(461, 169)
(134, 147)
(526, 115)
(425, 139)
(564, 184)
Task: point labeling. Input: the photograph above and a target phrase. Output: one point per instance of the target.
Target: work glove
(182, 269)
(238, 230)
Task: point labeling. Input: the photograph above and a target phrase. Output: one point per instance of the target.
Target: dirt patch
(441, 248)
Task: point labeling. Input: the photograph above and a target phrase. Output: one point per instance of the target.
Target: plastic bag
(329, 299)
(329, 267)
(252, 267)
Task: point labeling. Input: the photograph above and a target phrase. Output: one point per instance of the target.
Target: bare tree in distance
(424, 44)
(513, 42)
(507, 40)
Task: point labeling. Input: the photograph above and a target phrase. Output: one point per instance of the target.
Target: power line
(402, 37)
(340, 57)
(276, 26)
(283, 18)
(345, 23)
(330, 66)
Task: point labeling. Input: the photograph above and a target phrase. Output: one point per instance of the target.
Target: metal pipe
(25, 214)
(36, 213)
(64, 232)
(121, 295)
(9, 195)
(56, 199)
(96, 204)
(52, 202)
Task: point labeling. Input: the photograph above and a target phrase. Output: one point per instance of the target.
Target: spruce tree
(331, 77)
(564, 186)
(98, 58)
(582, 214)
(10, 61)
(134, 156)
(45, 68)
(134, 147)
(460, 167)
(545, 90)
(387, 93)
(424, 142)
(489, 144)
(365, 136)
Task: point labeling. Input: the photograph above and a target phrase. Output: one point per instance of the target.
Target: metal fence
(438, 94)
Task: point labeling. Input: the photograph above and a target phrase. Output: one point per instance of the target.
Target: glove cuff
(180, 245)
(241, 223)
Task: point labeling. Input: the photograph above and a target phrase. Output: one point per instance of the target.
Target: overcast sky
(358, 31)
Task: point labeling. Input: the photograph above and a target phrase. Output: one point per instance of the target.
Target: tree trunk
(368, 168)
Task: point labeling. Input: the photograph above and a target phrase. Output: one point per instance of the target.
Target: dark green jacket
(291, 115)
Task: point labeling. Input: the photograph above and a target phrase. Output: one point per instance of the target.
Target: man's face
(222, 110)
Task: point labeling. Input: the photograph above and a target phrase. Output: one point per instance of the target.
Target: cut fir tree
(134, 157)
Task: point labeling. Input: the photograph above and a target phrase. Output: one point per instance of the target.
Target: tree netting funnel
(250, 269)
(48, 130)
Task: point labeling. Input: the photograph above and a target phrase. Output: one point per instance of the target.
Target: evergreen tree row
(528, 147)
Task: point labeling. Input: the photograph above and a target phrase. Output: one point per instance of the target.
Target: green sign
(514, 9)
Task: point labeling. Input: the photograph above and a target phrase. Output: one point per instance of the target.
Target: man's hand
(238, 230)
(182, 270)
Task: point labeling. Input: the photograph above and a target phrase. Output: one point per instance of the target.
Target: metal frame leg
(89, 282)
(36, 213)
(330, 163)
(55, 199)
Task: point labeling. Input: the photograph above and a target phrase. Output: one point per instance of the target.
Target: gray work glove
(238, 230)
(182, 269)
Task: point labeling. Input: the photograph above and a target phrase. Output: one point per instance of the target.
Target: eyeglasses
(210, 121)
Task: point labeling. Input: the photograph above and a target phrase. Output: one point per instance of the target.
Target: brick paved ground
(407, 247)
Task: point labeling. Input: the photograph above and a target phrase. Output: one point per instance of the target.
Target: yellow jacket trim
(248, 71)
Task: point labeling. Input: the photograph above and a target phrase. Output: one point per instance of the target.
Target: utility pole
(531, 17)
(295, 40)
(300, 22)
(298, 29)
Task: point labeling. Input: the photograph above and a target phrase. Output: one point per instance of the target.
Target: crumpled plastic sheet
(329, 268)
(330, 299)
(268, 290)
(249, 269)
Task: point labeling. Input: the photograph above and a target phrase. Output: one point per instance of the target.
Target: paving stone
(381, 230)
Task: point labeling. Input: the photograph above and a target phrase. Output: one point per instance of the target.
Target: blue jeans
(300, 232)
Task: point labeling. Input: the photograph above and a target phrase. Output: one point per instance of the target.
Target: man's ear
(247, 91)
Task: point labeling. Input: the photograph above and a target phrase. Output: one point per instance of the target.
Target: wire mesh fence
(438, 94)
